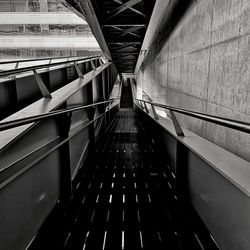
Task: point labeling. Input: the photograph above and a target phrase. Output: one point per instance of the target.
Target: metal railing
(8, 173)
(223, 121)
(37, 59)
(42, 66)
(30, 119)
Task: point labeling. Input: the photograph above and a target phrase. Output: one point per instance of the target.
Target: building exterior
(42, 28)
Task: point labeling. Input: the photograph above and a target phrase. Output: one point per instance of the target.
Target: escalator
(122, 199)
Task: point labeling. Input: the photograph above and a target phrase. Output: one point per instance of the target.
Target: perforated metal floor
(122, 206)
(124, 199)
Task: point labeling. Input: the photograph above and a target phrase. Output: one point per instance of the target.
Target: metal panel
(57, 78)
(42, 159)
(27, 90)
(215, 182)
(78, 147)
(5, 100)
(169, 144)
(27, 201)
(222, 206)
(38, 136)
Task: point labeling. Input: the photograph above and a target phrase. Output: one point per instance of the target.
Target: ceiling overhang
(119, 27)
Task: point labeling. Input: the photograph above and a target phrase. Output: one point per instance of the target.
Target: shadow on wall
(175, 12)
(199, 60)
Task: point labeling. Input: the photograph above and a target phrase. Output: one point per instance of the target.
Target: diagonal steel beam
(117, 28)
(122, 8)
(128, 67)
(125, 42)
(124, 25)
(128, 31)
(125, 53)
(131, 8)
(125, 56)
(127, 61)
(129, 64)
(123, 47)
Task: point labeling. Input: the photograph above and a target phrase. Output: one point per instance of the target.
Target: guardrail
(226, 122)
(35, 118)
(47, 65)
(46, 143)
(36, 59)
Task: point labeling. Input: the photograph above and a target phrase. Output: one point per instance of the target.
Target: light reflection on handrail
(226, 122)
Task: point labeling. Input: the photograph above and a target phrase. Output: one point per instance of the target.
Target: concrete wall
(201, 62)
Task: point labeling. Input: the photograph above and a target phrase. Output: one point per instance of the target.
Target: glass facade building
(43, 28)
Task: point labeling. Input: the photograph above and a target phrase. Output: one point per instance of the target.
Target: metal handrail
(226, 122)
(26, 120)
(30, 68)
(37, 59)
(13, 176)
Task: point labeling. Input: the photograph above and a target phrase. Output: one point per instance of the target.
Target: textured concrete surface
(203, 64)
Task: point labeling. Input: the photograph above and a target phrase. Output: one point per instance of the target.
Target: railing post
(141, 105)
(92, 64)
(177, 126)
(16, 66)
(78, 71)
(50, 60)
(64, 123)
(91, 115)
(103, 84)
(154, 112)
(146, 108)
(41, 85)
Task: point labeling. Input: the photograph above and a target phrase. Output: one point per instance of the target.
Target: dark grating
(123, 199)
(122, 207)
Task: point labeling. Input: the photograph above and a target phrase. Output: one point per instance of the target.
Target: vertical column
(108, 90)
(13, 95)
(103, 86)
(64, 123)
(91, 114)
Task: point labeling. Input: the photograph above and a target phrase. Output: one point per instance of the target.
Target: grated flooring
(123, 200)
(122, 206)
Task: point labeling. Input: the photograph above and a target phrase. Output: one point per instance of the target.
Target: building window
(34, 6)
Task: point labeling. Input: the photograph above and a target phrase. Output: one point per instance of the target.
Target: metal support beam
(177, 126)
(79, 73)
(124, 53)
(17, 64)
(41, 85)
(119, 56)
(123, 47)
(126, 42)
(16, 67)
(142, 107)
(50, 60)
(124, 25)
(146, 108)
(122, 8)
(129, 31)
(93, 65)
(101, 62)
(64, 123)
(126, 61)
(131, 8)
(154, 112)
(89, 14)
(117, 28)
